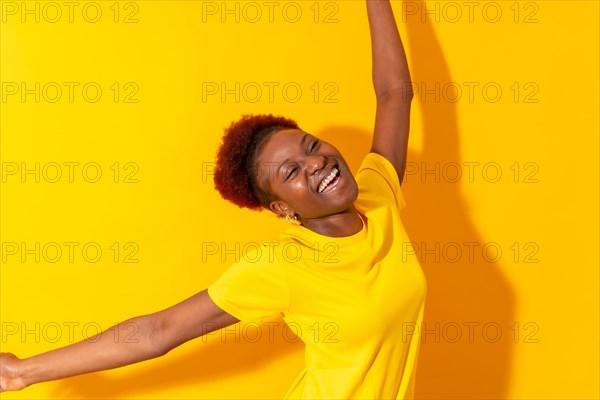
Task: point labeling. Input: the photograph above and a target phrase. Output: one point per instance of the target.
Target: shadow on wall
(461, 292)
(462, 296)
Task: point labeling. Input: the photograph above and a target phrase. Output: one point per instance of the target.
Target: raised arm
(129, 342)
(391, 80)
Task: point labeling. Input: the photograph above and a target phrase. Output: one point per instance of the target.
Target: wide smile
(330, 181)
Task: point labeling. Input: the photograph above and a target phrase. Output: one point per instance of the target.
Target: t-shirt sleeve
(378, 176)
(252, 288)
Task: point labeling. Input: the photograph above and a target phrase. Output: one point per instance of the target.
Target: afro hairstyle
(236, 169)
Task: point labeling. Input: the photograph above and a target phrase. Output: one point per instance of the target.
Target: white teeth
(328, 179)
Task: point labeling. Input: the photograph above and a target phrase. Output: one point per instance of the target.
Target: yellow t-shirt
(354, 301)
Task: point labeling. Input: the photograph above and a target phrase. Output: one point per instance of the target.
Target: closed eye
(313, 146)
(292, 173)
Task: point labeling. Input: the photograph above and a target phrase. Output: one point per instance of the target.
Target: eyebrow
(304, 138)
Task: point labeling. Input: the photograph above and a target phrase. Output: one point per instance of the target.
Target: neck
(345, 223)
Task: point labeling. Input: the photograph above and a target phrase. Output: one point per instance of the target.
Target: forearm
(390, 68)
(126, 343)
(131, 341)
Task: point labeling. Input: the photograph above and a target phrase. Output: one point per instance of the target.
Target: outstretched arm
(129, 342)
(393, 89)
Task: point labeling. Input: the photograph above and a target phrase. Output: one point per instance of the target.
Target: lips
(329, 181)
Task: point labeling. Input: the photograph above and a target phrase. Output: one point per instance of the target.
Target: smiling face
(308, 176)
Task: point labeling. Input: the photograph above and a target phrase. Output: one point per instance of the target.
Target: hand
(10, 378)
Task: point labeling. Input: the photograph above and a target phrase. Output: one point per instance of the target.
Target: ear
(280, 207)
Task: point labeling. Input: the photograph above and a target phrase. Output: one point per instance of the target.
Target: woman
(350, 287)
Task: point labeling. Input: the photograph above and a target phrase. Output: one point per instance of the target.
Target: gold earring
(291, 221)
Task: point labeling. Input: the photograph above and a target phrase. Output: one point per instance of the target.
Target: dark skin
(292, 165)
(331, 213)
(335, 215)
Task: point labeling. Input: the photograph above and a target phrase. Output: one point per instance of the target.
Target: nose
(314, 163)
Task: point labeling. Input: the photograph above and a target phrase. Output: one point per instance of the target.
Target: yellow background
(172, 51)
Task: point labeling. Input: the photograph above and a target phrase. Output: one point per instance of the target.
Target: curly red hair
(235, 173)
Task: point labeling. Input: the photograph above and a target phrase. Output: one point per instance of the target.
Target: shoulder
(254, 258)
(377, 178)
(254, 286)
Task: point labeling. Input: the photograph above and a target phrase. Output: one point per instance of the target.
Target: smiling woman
(268, 162)
(352, 289)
